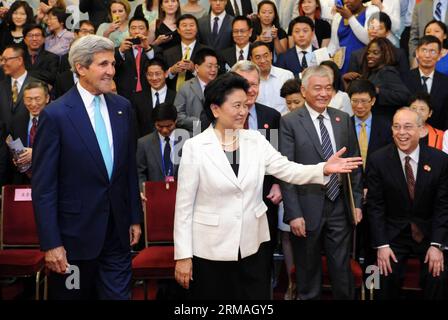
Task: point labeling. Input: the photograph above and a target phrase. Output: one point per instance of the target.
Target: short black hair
(382, 18)
(37, 85)
(217, 90)
(441, 26)
(421, 96)
(427, 40)
(291, 86)
(185, 17)
(137, 18)
(18, 49)
(31, 26)
(59, 13)
(203, 53)
(242, 18)
(156, 62)
(85, 21)
(302, 19)
(257, 44)
(361, 86)
(164, 111)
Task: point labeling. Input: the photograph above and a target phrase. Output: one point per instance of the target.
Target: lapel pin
(120, 112)
(338, 119)
(427, 168)
(266, 126)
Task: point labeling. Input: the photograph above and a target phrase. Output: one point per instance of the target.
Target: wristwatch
(438, 246)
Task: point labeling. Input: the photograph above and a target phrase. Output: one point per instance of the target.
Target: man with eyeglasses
(407, 208)
(40, 63)
(11, 88)
(189, 100)
(215, 29)
(241, 33)
(426, 78)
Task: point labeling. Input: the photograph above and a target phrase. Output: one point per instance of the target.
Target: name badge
(168, 179)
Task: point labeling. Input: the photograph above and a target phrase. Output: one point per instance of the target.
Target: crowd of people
(352, 96)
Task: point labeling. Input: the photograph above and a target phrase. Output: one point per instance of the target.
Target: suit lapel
(196, 88)
(435, 83)
(396, 171)
(307, 123)
(155, 147)
(116, 117)
(337, 129)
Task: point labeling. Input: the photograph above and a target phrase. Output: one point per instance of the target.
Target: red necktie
(33, 59)
(138, 58)
(33, 131)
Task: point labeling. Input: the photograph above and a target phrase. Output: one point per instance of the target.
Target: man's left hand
(25, 157)
(434, 258)
(134, 234)
(275, 194)
(358, 215)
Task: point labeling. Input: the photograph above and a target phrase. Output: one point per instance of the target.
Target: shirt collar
(430, 76)
(86, 96)
(314, 114)
(414, 154)
(60, 34)
(191, 46)
(309, 49)
(220, 16)
(172, 136)
(245, 48)
(161, 91)
(202, 83)
(20, 79)
(368, 121)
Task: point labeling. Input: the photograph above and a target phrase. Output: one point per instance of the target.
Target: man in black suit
(241, 33)
(239, 7)
(131, 59)
(215, 29)
(35, 98)
(407, 208)
(426, 78)
(145, 102)
(41, 64)
(11, 88)
(179, 58)
(379, 25)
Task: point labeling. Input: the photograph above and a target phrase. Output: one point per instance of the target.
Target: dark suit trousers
(107, 277)
(334, 234)
(403, 246)
(245, 279)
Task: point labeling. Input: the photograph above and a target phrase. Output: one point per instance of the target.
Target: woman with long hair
(117, 30)
(11, 31)
(148, 10)
(164, 28)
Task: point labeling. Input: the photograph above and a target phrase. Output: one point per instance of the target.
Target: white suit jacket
(218, 213)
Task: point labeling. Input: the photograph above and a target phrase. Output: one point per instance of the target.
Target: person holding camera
(117, 30)
(131, 57)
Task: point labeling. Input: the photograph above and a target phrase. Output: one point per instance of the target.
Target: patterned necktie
(14, 92)
(157, 99)
(138, 59)
(101, 136)
(327, 149)
(167, 158)
(363, 144)
(438, 11)
(424, 84)
(33, 131)
(410, 180)
(236, 8)
(304, 63)
(241, 57)
(215, 26)
(181, 76)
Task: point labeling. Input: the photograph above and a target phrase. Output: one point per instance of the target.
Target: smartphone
(136, 40)
(115, 18)
(339, 3)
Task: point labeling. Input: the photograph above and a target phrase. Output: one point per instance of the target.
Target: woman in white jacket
(221, 231)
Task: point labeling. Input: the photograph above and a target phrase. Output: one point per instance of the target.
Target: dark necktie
(246, 122)
(168, 165)
(215, 26)
(241, 57)
(416, 233)
(138, 58)
(304, 63)
(157, 100)
(327, 150)
(33, 131)
(425, 86)
(438, 12)
(33, 58)
(236, 8)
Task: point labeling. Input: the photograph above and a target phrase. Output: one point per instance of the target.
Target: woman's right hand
(184, 272)
(162, 39)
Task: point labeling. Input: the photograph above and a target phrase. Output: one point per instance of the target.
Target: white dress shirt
(20, 80)
(308, 55)
(202, 84)
(269, 94)
(429, 81)
(184, 48)
(327, 122)
(162, 95)
(163, 143)
(87, 99)
(212, 20)
(413, 162)
(245, 51)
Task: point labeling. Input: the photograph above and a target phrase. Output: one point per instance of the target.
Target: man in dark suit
(179, 58)
(215, 29)
(379, 25)
(241, 33)
(239, 8)
(85, 184)
(41, 64)
(131, 59)
(407, 208)
(11, 88)
(320, 215)
(426, 78)
(301, 56)
(35, 98)
(145, 102)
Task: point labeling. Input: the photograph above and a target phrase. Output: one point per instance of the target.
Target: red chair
(19, 245)
(156, 260)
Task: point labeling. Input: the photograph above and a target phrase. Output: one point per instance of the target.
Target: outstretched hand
(336, 164)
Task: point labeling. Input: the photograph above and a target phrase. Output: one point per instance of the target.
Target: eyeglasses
(241, 31)
(432, 52)
(406, 127)
(3, 59)
(360, 101)
(89, 31)
(34, 35)
(212, 66)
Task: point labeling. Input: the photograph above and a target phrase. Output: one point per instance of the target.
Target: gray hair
(83, 49)
(419, 117)
(316, 71)
(246, 66)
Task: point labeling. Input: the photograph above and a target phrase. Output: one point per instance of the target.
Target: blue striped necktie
(327, 149)
(101, 136)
